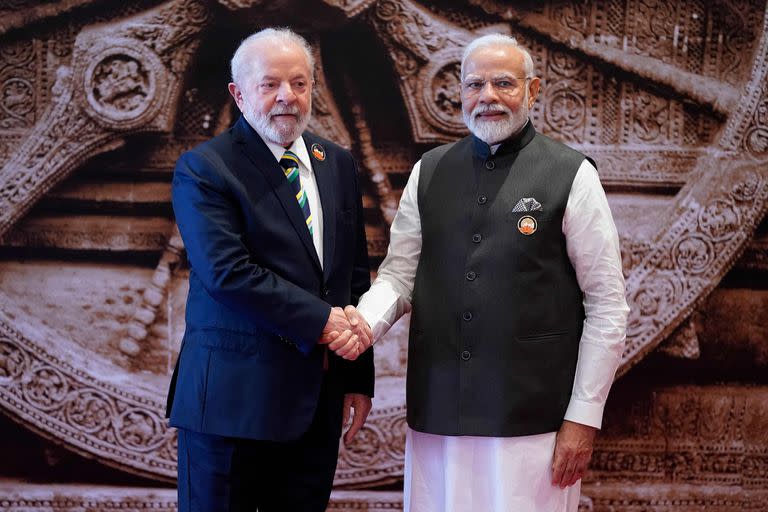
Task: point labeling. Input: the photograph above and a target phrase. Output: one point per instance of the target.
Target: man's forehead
(268, 53)
(492, 75)
(502, 57)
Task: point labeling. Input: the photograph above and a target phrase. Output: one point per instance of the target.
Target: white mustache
(487, 109)
(292, 110)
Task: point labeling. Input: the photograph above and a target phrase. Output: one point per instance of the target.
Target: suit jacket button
(466, 355)
(467, 316)
(490, 165)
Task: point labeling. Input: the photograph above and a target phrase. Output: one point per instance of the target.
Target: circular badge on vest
(318, 152)
(526, 225)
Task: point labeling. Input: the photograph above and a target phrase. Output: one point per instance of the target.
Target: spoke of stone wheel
(18, 18)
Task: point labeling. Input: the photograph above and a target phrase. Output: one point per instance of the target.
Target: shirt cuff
(378, 325)
(585, 413)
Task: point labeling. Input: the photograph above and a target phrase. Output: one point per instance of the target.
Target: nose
(285, 93)
(488, 93)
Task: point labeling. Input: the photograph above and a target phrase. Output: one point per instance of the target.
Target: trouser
(226, 474)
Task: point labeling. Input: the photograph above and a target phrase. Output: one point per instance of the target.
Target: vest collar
(511, 145)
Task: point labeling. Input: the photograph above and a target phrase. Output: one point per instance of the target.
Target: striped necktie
(290, 164)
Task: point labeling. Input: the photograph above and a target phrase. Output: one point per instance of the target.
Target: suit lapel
(325, 178)
(263, 159)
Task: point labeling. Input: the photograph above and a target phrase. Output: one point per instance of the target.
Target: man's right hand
(339, 337)
(337, 323)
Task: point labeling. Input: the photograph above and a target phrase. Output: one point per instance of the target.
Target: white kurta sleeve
(593, 248)
(390, 294)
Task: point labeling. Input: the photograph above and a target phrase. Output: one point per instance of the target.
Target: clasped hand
(347, 333)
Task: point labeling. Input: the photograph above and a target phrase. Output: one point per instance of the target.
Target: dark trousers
(225, 474)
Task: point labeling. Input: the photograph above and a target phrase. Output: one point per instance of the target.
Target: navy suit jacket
(249, 364)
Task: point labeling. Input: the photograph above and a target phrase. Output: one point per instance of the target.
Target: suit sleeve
(212, 228)
(359, 374)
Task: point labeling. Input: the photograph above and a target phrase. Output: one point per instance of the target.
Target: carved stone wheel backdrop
(670, 98)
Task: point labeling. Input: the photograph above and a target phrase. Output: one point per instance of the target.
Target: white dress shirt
(308, 181)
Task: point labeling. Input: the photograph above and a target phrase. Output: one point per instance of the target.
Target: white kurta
(466, 473)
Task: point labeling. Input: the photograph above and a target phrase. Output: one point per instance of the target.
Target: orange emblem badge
(318, 152)
(526, 225)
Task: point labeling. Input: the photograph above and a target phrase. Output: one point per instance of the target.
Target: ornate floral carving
(18, 97)
(756, 141)
(651, 116)
(17, 86)
(13, 361)
(565, 111)
(351, 8)
(115, 74)
(379, 452)
(45, 387)
(693, 253)
(719, 220)
(139, 430)
(117, 425)
(426, 51)
(445, 87)
(120, 84)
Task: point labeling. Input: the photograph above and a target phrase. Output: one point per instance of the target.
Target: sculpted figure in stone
(272, 221)
(505, 249)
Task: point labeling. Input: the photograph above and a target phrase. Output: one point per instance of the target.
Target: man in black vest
(505, 248)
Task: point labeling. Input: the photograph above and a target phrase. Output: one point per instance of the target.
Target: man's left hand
(573, 449)
(362, 406)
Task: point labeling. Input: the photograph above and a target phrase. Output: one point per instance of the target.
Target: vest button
(490, 165)
(471, 275)
(477, 237)
(467, 316)
(466, 355)
(482, 199)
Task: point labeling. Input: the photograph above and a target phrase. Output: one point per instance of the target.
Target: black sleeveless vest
(497, 311)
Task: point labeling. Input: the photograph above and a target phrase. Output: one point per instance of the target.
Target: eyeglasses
(507, 85)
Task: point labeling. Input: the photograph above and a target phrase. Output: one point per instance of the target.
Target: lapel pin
(318, 152)
(526, 225)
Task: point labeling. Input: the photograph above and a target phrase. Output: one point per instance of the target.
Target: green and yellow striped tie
(290, 164)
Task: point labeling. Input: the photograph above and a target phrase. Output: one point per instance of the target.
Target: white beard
(280, 132)
(494, 132)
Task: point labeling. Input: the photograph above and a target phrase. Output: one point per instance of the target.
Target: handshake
(347, 333)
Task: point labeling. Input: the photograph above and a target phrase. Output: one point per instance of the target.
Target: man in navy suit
(272, 222)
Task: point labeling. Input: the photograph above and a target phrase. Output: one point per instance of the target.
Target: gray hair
(239, 62)
(498, 40)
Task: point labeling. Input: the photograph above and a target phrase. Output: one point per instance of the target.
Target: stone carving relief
(326, 119)
(130, 81)
(17, 86)
(686, 125)
(427, 54)
(62, 398)
(351, 8)
(119, 85)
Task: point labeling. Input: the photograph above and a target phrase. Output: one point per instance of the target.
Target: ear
(237, 94)
(533, 91)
